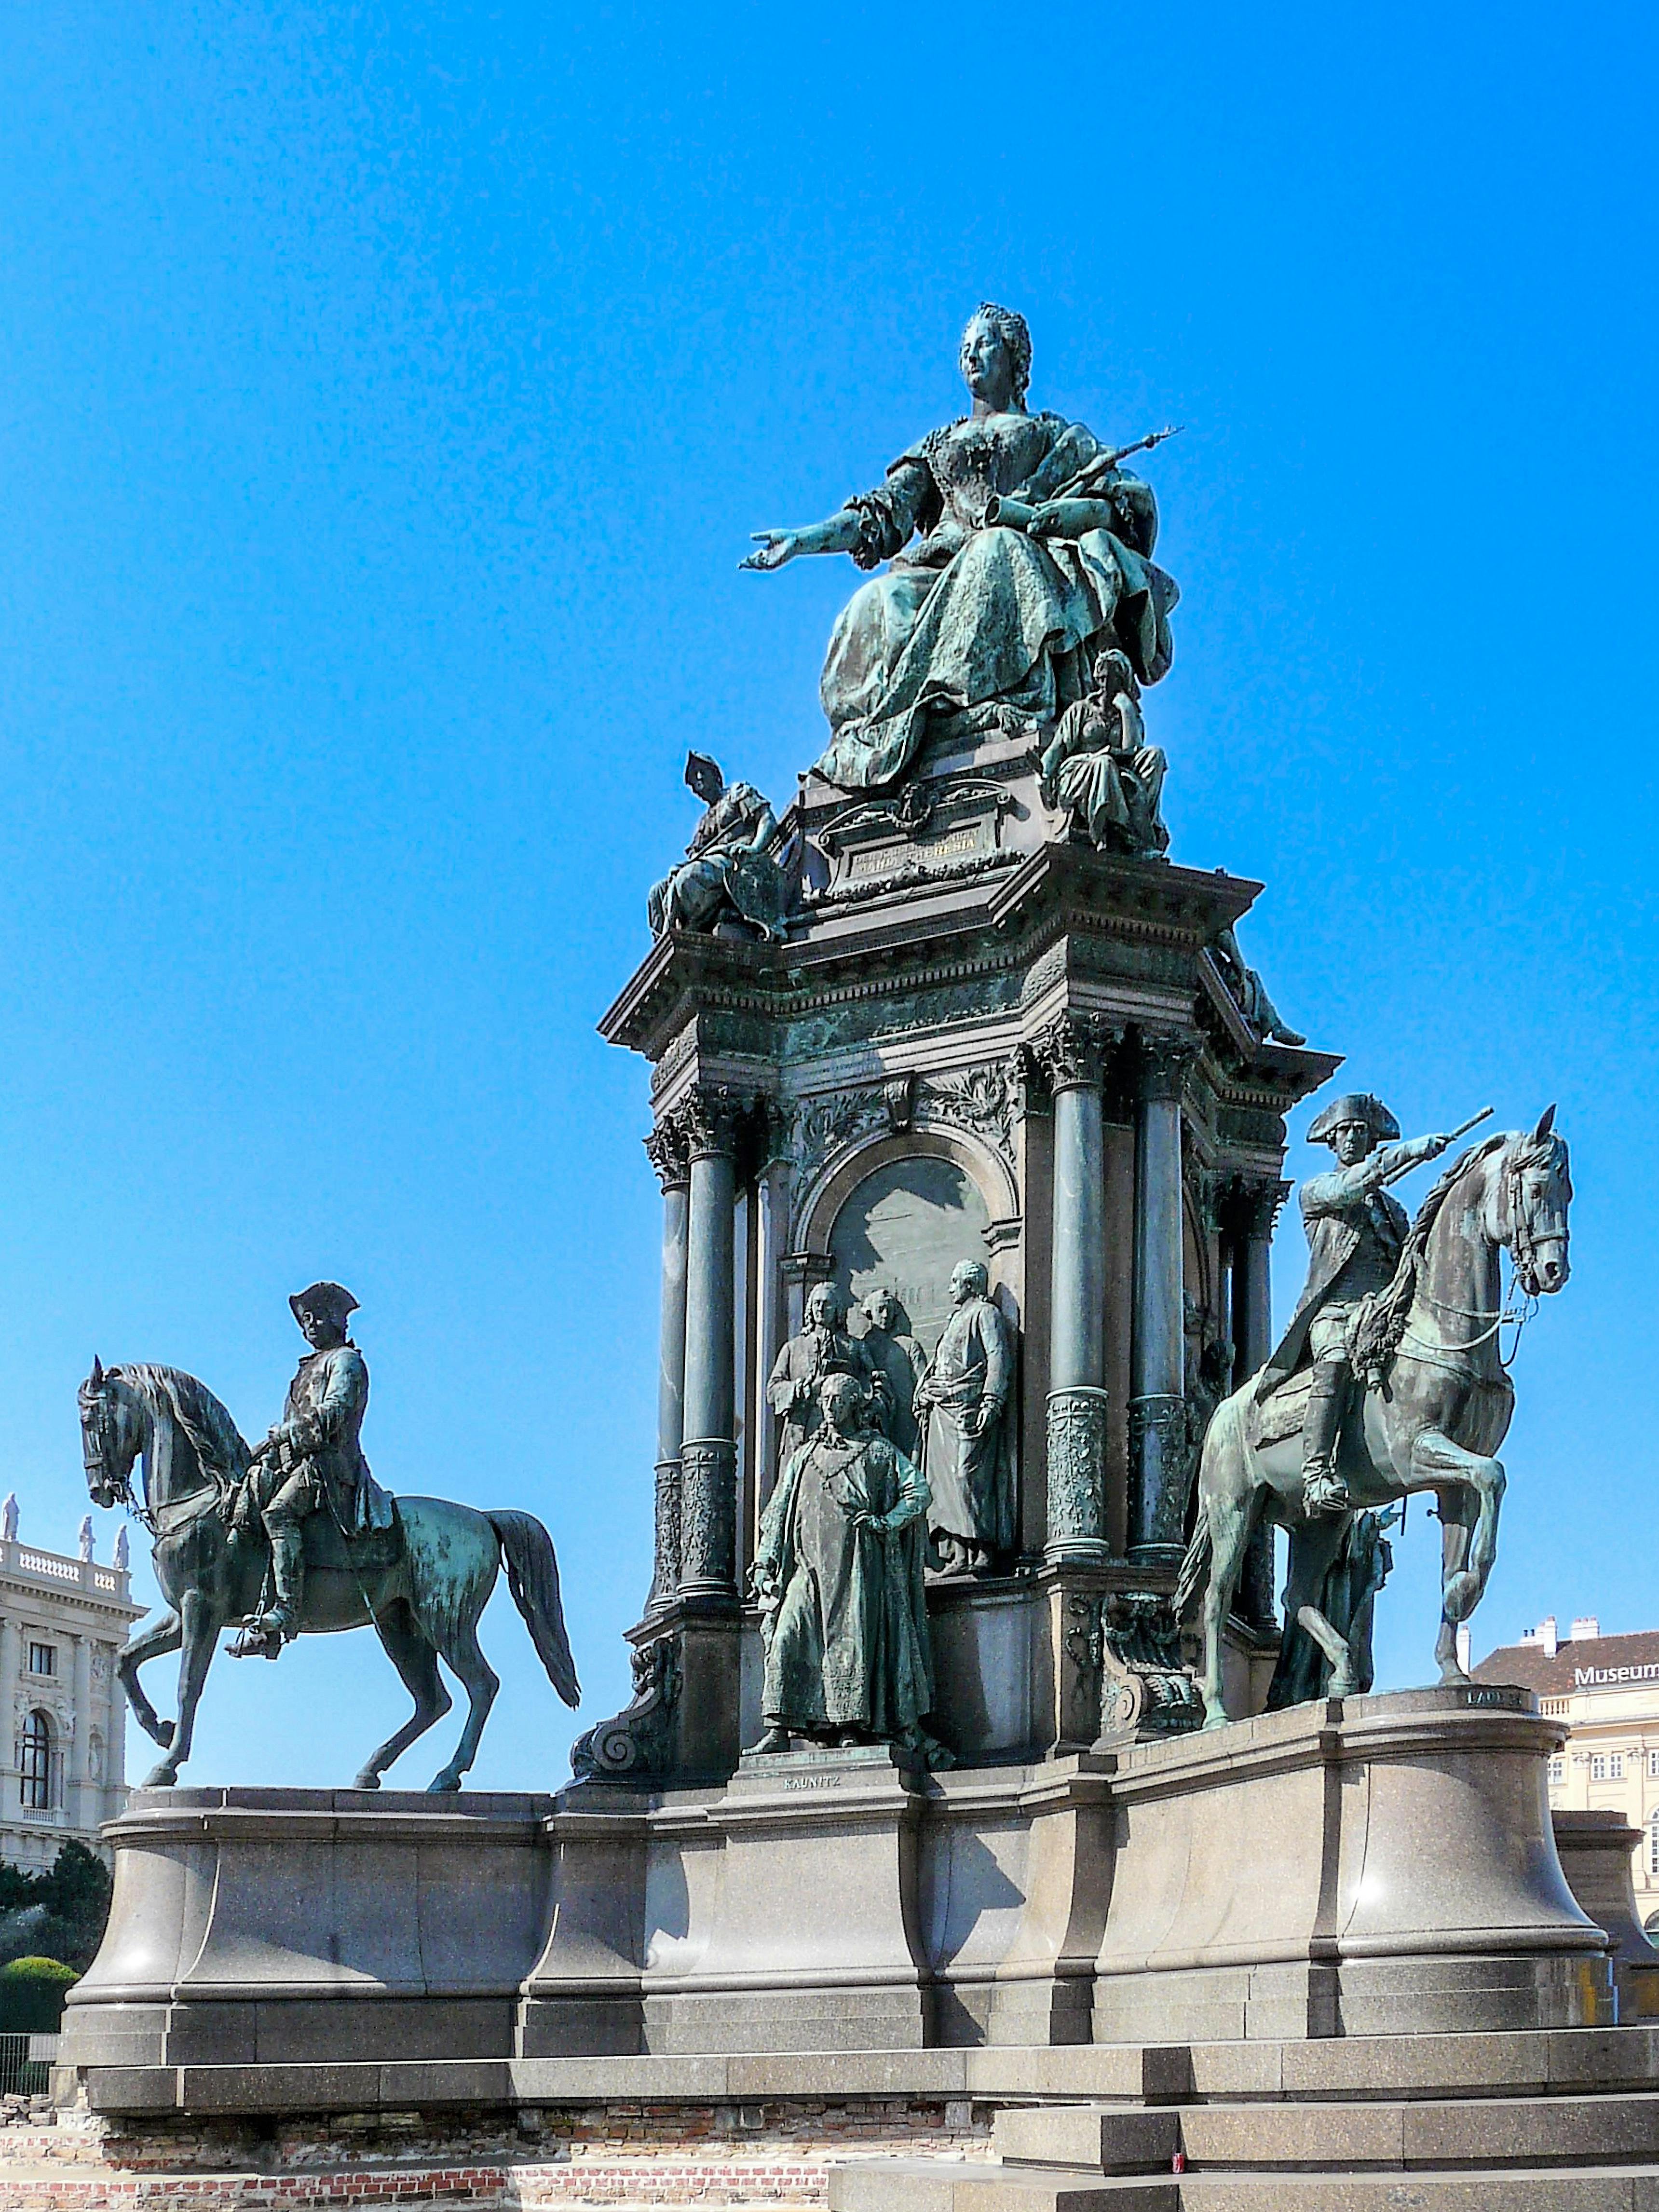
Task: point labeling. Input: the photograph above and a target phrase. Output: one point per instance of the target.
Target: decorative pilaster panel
(710, 1122)
(669, 1155)
(1077, 1475)
(1070, 1053)
(1158, 1426)
(708, 1517)
(1161, 1461)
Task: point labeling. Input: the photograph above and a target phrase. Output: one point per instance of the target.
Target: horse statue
(1439, 1408)
(422, 1584)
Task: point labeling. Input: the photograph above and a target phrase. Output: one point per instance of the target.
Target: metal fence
(26, 2065)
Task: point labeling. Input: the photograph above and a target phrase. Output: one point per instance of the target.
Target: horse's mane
(213, 1435)
(1381, 1322)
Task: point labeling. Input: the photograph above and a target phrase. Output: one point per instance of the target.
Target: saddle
(369, 1553)
(1274, 1421)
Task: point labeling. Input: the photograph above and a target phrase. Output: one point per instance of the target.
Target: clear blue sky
(387, 394)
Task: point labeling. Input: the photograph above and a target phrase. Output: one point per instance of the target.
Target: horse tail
(532, 1575)
(1195, 1566)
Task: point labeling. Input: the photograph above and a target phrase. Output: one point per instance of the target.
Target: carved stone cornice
(1165, 1059)
(1071, 1050)
(666, 1149)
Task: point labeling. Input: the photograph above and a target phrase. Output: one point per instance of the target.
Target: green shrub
(31, 1992)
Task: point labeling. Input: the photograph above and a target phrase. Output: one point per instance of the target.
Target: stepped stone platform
(1559, 2120)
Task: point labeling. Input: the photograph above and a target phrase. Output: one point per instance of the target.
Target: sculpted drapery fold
(979, 620)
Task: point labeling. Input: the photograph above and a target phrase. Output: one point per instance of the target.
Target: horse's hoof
(164, 1777)
(1217, 1719)
(1341, 1686)
(444, 1785)
(1453, 1678)
(162, 1732)
(368, 1779)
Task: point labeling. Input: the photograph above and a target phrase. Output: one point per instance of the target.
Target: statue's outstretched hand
(771, 549)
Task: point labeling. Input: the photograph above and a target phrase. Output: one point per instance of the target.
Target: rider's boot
(288, 1568)
(1323, 1490)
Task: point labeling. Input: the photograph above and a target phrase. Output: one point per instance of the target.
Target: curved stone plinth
(1364, 1866)
(263, 1925)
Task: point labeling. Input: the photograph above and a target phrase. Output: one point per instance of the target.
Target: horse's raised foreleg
(1467, 1553)
(148, 1641)
(417, 1663)
(199, 1626)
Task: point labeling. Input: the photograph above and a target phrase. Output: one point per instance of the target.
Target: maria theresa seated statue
(1034, 554)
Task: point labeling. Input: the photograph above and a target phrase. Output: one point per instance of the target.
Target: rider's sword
(1462, 1130)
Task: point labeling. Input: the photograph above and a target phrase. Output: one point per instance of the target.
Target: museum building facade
(62, 1620)
(1606, 1689)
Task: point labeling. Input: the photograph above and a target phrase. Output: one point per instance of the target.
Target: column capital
(1258, 1204)
(666, 1150)
(709, 1120)
(1071, 1049)
(1166, 1058)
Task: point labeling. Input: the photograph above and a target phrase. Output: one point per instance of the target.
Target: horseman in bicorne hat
(313, 1461)
(1356, 1233)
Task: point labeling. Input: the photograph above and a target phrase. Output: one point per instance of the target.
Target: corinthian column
(666, 1149)
(709, 1120)
(1157, 1413)
(1071, 1051)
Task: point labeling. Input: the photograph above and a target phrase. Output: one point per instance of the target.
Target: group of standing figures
(883, 1453)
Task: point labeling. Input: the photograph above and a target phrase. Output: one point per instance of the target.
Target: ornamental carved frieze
(984, 1101)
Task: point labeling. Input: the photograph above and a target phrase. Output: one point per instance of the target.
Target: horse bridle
(97, 1448)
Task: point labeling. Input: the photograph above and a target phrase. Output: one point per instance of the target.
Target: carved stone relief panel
(903, 1229)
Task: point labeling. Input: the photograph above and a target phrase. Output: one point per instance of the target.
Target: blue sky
(387, 396)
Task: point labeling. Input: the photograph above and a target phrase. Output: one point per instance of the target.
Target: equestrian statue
(1389, 1380)
(296, 1537)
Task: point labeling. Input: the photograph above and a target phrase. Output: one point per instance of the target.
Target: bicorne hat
(1355, 1106)
(331, 1300)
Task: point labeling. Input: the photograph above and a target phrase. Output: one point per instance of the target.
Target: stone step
(941, 2185)
(1536, 2189)
(1405, 2135)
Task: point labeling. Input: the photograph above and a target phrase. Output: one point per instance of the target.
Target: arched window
(34, 1763)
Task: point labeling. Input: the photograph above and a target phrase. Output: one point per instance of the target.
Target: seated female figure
(991, 621)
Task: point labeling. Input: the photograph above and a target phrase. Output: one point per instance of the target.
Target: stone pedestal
(811, 1942)
(1595, 1850)
(1383, 1867)
(1377, 1866)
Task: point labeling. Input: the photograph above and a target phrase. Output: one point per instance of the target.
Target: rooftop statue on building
(1034, 554)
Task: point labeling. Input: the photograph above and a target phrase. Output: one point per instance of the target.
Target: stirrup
(253, 1640)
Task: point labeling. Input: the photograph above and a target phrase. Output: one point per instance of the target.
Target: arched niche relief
(901, 1212)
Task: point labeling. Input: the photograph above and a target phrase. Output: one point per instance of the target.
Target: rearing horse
(1441, 1409)
(423, 1588)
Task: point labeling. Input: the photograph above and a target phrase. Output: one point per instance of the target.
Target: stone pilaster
(710, 1122)
(666, 1149)
(1158, 1415)
(76, 1794)
(1070, 1052)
